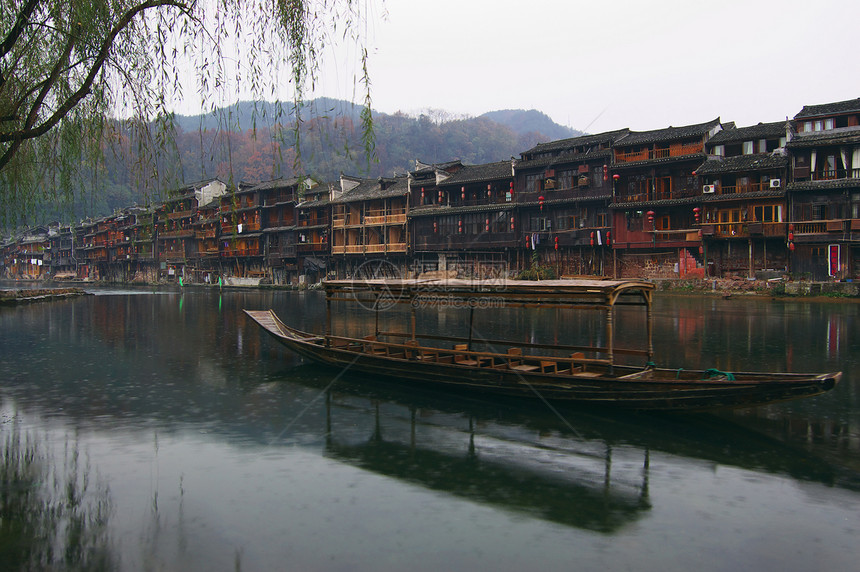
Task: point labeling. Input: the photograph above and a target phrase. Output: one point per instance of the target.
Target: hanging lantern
(440, 197)
(512, 190)
(696, 212)
(790, 236)
(462, 193)
(540, 202)
(791, 246)
(489, 190)
(487, 225)
(608, 237)
(556, 243)
(435, 226)
(460, 224)
(512, 221)
(605, 172)
(791, 227)
(701, 249)
(615, 177)
(650, 215)
(422, 195)
(527, 241)
(592, 238)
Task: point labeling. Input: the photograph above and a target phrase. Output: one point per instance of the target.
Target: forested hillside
(257, 142)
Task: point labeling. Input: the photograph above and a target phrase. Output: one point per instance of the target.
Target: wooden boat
(542, 371)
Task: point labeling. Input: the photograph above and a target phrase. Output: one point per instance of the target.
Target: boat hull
(628, 387)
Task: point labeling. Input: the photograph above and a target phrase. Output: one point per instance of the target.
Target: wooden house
(564, 190)
(241, 241)
(369, 224)
(656, 193)
(176, 242)
(463, 218)
(313, 244)
(824, 193)
(62, 261)
(743, 217)
(279, 198)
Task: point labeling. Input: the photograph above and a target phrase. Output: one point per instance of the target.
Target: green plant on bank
(538, 271)
(81, 82)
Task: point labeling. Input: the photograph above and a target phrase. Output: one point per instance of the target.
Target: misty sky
(603, 65)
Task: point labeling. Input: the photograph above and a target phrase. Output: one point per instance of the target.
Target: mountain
(255, 142)
(524, 121)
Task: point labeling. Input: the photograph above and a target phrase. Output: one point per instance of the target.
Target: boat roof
(510, 292)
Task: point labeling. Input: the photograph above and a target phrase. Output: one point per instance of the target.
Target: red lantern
(791, 246)
(460, 224)
(791, 227)
(701, 250)
(790, 236)
(463, 193)
(556, 243)
(512, 190)
(435, 226)
(616, 176)
(512, 220)
(487, 225)
(696, 212)
(605, 172)
(650, 215)
(422, 195)
(592, 238)
(608, 237)
(540, 201)
(440, 197)
(527, 241)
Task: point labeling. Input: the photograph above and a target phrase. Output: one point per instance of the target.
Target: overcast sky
(603, 65)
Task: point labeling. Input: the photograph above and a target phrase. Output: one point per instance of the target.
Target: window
(533, 183)
(748, 148)
(767, 213)
(819, 212)
(720, 150)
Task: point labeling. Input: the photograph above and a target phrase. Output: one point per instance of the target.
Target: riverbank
(25, 296)
(771, 288)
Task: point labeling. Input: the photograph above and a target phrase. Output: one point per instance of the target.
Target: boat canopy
(557, 293)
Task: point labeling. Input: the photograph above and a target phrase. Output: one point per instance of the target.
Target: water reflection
(54, 513)
(171, 394)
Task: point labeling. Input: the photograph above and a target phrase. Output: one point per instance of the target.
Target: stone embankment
(741, 286)
(22, 296)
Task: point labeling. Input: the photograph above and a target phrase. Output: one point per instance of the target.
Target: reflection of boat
(555, 372)
(504, 465)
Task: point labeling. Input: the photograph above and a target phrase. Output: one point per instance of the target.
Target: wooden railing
(369, 248)
(736, 189)
(674, 150)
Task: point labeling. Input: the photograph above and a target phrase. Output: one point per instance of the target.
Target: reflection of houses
(655, 194)
(313, 214)
(743, 216)
(463, 217)
(564, 195)
(825, 190)
(369, 222)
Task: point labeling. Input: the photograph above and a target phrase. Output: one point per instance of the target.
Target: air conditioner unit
(707, 189)
(775, 183)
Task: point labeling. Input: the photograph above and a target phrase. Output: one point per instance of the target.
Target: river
(157, 429)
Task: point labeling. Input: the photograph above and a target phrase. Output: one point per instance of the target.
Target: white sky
(600, 65)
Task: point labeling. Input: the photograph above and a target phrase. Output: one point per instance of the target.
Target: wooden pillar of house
(752, 259)
(610, 311)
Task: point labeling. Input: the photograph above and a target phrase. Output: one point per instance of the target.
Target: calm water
(155, 430)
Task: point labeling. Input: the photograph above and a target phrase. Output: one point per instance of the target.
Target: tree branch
(30, 131)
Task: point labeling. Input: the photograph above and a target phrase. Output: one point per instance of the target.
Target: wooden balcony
(740, 189)
(744, 229)
(657, 196)
(393, 247)
(239, 252)
(208, 233)
(675, 150)
(377, 220)
(229, 228)
(182, 233)
(312, 247)
(179, 214)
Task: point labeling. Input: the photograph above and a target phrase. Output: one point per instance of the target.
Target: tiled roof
(441, 211)
(273, 184)
(751, 133)
(841, 136)
(478, 173)
(657, 203)
(573, 142)
(824, 185)
(563, 158)
(370, 189)
(742, 163)
(829, 109)
(765, 194)
(667, 134)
